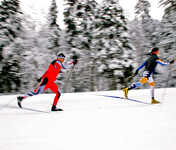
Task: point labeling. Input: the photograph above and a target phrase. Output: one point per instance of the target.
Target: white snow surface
(90, 122)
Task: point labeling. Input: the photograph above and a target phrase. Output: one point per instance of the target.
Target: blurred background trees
(109, 47)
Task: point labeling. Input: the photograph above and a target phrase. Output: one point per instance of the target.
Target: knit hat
(154, 50)
(61, 55)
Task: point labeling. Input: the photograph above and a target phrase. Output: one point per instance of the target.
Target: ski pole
(169, 75)
(131, 76)
(167, 83)
(65, 85)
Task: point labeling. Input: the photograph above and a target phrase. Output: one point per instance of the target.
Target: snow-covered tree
(142, 10)
(148, 26)
(138, 39)
(84, 18)
(53, 27)
(112, 45)
(78, 19)
(168, 34)
(71, 36)
(71, 28)
(8, 32)
(10, 47)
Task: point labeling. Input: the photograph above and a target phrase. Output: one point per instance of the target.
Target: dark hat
(154, 49)
(60, 55)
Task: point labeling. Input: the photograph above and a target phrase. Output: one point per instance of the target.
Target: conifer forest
(109, 47)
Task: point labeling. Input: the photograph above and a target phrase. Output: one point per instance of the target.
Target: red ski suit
(48, 80)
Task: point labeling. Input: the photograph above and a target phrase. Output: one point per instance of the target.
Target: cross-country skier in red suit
(48, 81)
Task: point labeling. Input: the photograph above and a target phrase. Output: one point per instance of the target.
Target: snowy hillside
(90, 122)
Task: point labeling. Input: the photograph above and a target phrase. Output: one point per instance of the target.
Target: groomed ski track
(90, 122)
(128, 99)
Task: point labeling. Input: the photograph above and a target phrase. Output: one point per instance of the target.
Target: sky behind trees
(38, 9)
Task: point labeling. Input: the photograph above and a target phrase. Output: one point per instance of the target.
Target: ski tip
(19, 104)
(19, 100)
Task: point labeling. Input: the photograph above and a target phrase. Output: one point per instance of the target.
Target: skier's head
(155, 50)
(61, 57)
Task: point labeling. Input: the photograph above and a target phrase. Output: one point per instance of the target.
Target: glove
(136, 72)
(75, 62)
(39, 80)
(172, 61)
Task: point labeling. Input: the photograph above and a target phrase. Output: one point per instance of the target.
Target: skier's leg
(134, 85)
(142, 81)
(152, 88)
(42, 87)
(54, 88)
(151, 83)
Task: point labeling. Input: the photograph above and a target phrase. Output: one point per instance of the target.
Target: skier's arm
(67, 66)
(137, 70)
(144, 63)
(159, 61)
(59, 64)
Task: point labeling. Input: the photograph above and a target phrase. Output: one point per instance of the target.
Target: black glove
(39, 80)
(75, 62)
(172, 61)
(136, 72)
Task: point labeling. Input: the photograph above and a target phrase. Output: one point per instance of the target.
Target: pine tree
(78, 18)
(138, 39)
(87, 29)
(84, 18)
(168, 34)
(148, 27)
(72, 38)
(71, 29)
(10, 30)
(53, 26)
(112, 44)
(146, 22)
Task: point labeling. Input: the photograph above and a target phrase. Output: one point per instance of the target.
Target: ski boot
(19, 100)
(54, 108)
(154, 101)
(125, 90)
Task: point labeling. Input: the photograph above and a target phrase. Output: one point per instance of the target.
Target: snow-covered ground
(90, 122)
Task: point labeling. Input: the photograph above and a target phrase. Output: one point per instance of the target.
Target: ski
(30, 109)
(118, 97)
(35, 110)
(39, 111)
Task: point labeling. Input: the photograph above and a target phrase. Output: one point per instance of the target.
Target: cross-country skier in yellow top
(150, 65)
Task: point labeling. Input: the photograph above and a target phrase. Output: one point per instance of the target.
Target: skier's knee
(151, 83)
(143, 80)
(58, 94)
